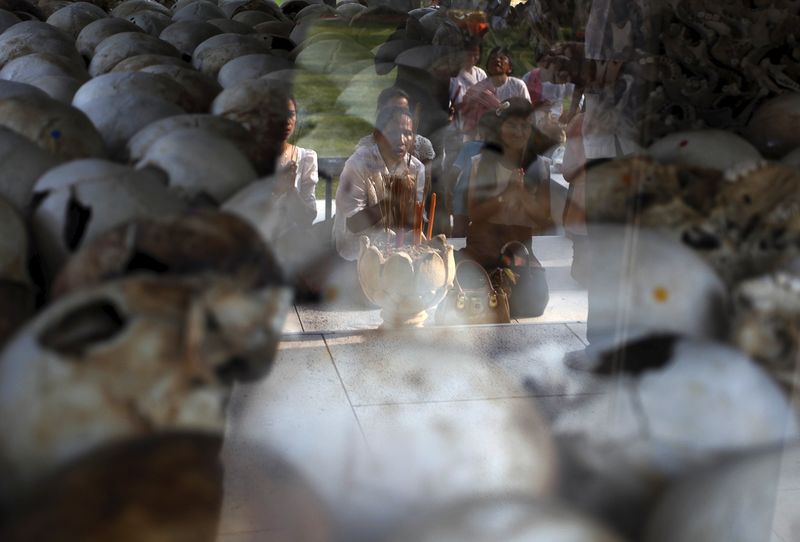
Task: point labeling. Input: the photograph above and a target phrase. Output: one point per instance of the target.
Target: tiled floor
(385, 424)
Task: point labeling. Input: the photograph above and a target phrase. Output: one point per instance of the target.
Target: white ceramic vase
(407, 281)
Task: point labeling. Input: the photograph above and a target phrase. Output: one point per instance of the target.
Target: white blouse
(307, 175)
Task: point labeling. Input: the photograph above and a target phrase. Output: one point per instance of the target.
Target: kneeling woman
(506, 204)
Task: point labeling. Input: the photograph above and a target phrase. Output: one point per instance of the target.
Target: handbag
(523, 279)
(473, 299)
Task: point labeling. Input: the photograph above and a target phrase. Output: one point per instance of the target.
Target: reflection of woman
(504, 203)
(296, 172)
(284, 202)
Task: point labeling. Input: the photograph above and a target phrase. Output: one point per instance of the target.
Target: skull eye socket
(77, 220)
(79, 330)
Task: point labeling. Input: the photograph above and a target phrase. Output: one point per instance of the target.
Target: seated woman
(504, 203)
(286, 201)
(379, 183)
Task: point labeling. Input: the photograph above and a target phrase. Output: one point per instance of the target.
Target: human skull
(664, 405)
(139, 62)
(60, 88)
(746, 497)
(201, 88)
(23, 163)
(229, 26)
(199, 10)
(119, 46)
(74, 17)
(212, 54)
(773, 127)
(152, 22)
(55, 127)
(129, 358)
(80, 200)
(637, 290)
(139, 144)
(7, 20)
(36, 37)
(178, 486)
(260, 105)
(28, 68)
(16, 289)
(185, 36)
(199, 242)
(130, 7)
(126, 83)
(716, 149)
(765, 325)
(94, 33)
(118, 118)
(199, 163)
(250, 67)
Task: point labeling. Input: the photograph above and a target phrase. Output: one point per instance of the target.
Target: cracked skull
(128, 358)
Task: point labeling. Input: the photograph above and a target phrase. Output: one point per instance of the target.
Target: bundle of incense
(431, 212)
(401, 234)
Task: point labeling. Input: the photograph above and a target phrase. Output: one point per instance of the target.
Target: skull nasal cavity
(141, 261)
(78, 217)
(77, 331)
(235, 369)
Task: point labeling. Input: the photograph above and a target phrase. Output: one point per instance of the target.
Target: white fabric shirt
(360, 186)
(463, 81)
(512, 88)
(307, 176)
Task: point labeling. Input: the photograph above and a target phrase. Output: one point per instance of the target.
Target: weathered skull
(229, 26)
(127, 83)
(74, 17)
(16, 290)
(82, 199)
(56, 127)
(152, 22)
(507, 518)
(201, 88)
(199, 242)
(58, 87)
(128, 358)
(36, 37)
(252, 17)
(7, 20)
(666, 406)
(119, 46)
(260, 106)
(139, 62)
(139, 144)
(199, 163)
(638, 287)
(28, 68)
(199, 10)
(118, 118)
(251, 67)
(176, 486)
(766, 324)
(747, 497)
(773, 128)
(212, 54)
(94, 33)
(185, 36)
(716, 149)
(743, 220)
(129, 7)
(23, 163)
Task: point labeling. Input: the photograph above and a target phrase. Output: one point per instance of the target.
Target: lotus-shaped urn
(406, 281)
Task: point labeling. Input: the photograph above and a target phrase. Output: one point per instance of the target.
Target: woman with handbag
(506, 204)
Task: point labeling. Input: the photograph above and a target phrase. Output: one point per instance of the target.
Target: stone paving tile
(428, 453)
(301, 412)
(580, 330)
(456, 363)
(292, 324)
(564, 306)
(329, 319)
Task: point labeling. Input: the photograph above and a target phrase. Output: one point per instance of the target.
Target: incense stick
(431, 214)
